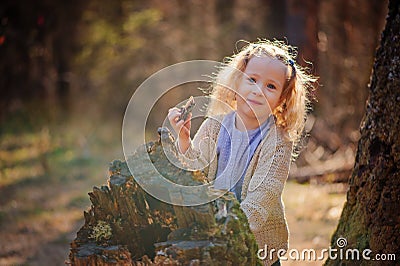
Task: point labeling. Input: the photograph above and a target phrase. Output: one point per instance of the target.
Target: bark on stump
(127, 226)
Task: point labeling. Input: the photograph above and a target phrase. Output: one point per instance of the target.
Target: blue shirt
(235, 149)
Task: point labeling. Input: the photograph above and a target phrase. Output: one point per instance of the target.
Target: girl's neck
(244, 123)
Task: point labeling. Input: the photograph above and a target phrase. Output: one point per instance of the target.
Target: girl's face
(260, 89)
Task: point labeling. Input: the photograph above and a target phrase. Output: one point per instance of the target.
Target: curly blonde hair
(295, 98)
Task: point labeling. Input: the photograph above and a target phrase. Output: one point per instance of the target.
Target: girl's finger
(173, 115)
(172, 109)
(180, 123)
(189, 117)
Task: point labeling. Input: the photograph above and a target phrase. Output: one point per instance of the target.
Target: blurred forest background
(69, 69)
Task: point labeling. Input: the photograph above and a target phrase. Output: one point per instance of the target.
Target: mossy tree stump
(127, 226)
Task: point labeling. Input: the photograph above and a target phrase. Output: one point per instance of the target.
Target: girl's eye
(252, 80)
(271, 86)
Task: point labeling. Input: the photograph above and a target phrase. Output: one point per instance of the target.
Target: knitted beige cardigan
(263, 182)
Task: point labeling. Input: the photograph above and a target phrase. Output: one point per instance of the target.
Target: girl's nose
(256, 89)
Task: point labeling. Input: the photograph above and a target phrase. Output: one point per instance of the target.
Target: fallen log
(335, 169)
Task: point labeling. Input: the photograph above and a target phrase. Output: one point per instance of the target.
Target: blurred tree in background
(348, 34)
(37, 43)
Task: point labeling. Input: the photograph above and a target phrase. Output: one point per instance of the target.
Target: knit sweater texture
(263, 183)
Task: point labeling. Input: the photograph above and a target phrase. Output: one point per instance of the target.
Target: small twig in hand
(187, 109)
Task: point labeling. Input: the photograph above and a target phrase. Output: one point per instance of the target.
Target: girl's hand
(182, 128)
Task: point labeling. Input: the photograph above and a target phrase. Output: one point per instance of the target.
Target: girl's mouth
(254, 102)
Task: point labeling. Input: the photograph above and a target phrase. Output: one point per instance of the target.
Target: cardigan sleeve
(263, 204)
(202, 148)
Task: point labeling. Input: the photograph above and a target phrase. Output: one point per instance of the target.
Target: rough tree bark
(370, 218)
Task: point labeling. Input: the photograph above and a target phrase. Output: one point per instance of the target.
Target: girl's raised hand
(182, 128)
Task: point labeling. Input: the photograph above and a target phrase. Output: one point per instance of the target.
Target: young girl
(256, 116)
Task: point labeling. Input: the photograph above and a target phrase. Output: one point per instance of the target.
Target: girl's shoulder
(282, 136)
(276, 137)
(214, 122)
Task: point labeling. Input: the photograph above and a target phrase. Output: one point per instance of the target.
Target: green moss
(102, 231)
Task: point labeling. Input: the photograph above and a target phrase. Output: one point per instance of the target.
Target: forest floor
(47, 171)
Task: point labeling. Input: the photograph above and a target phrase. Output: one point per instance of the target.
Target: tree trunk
(370, 218)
